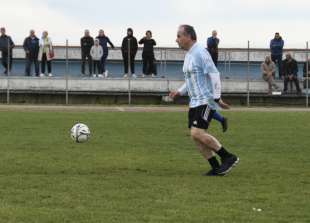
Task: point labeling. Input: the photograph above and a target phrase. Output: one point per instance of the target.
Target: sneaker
(94, 75)
(42, 75)
(134, 75)
(100, 76)
(125, 75)
(143, 75)
(153, 75)
(106, 73)
(225, 125)
(228, 164)
(212, 172)
(50, 75)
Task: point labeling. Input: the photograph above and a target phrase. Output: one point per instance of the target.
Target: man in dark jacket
(86, 43)
(148, 54)
(276, 48)
(104, 41)
(129, 49)
(6, 48)
(212, 46)
(306, 71)
(290, 71)
(31, 47)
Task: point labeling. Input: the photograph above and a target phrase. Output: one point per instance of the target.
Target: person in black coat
(290, 71)
(148, 54)
(212, 46)
(86, 43)
(129, 49)
(32, 46)
(6, 48)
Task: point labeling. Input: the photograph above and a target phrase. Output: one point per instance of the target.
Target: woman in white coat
(46, 54)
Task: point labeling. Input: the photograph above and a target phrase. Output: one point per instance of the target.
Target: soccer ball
(80, 133)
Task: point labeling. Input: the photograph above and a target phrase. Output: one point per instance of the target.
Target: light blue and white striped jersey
(199, 71)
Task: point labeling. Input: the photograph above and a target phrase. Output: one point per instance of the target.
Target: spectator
(46, 54)
(276, 47)
(104, 41)
(290, 71)
(96, 53)
(212, 46)
(6, 48)
(148, 54)
(131, 41)
(307, 73)
(31, 46)
(268, 68)
(86, 43)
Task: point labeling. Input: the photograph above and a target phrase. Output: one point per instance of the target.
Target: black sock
(213, 162)
(223, 153)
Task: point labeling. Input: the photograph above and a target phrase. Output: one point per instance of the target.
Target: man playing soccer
(201, 78)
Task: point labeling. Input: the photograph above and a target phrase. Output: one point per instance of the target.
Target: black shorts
(200, 117)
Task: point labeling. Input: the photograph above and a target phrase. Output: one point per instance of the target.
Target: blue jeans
(277, 59)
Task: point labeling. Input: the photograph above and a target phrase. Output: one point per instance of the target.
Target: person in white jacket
(96, 53)
(46, 54)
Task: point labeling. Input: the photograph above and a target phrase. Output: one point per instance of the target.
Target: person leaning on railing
(290, 71)
(268, 69)
(307, 73)
(6, 48)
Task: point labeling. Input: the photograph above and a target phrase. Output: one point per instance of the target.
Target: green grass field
(143, 167)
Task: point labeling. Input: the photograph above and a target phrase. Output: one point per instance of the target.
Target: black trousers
(29, 61)
(132, 62)
(6, 61)
(44, 61)
(294, 79)
(214, 57)
(86, 57)
(97, 67)
(149, 67)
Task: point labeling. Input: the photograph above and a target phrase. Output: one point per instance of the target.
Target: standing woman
(46, 54)
(104, 41)
(148, 54)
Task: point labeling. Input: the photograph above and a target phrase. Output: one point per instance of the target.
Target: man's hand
(174, 94)
(223, 105)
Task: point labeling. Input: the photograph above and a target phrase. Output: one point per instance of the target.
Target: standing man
(6, 48)
(276, 48)
(132, 41)
(212, 46)
(86, 43)
(200, 80)
(31, 46)
(104, 41)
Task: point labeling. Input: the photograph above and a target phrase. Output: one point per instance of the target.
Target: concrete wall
(156, 86)
(171, 54)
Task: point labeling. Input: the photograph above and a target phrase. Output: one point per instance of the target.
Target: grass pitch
(143, 167)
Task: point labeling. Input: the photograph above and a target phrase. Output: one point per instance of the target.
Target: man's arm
(181, 91)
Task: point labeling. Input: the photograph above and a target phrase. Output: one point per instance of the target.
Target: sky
(236, 21)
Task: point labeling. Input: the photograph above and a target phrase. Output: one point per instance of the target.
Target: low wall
(32, 90)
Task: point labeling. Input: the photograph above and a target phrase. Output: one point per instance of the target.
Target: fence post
(8, 73)
(248, 76)
(129, 74)
(307, 74)
(67, 72)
